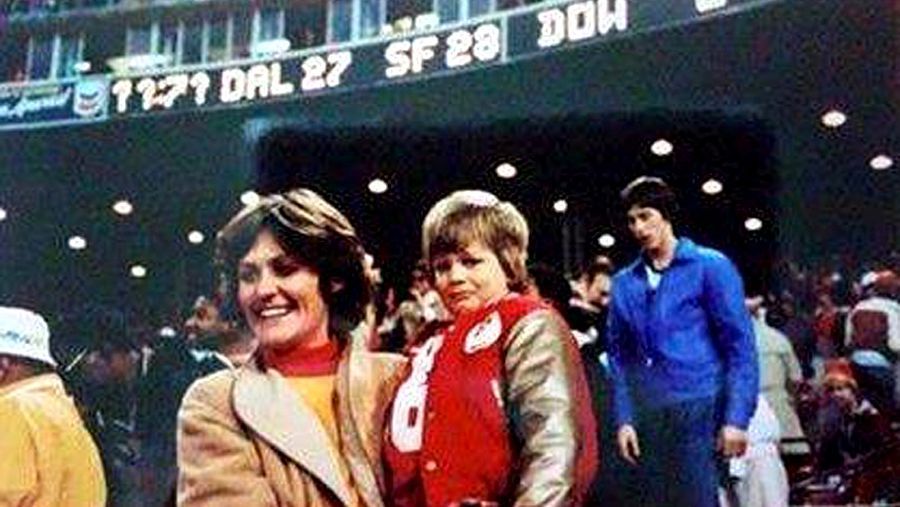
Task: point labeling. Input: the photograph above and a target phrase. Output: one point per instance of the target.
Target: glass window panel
(41, 58)
(192, 48)
(269, 24)
(138, 40)
(168, 41)
(341, 19)
(217, 48)
(69, 55)
(241, 27)
(480, 7)
(371, 18)
(448, 10)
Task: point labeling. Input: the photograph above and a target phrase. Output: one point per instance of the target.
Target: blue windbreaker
(689, 338)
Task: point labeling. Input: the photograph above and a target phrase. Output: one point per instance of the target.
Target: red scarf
(304, 362)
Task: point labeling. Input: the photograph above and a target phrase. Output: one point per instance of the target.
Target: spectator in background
(682, 356)
(873, 339)
(209, 343)
(849, 426)
(110, 375)
(779, 376)
(47, 457)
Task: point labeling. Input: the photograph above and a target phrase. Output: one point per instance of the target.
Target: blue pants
(678, 466)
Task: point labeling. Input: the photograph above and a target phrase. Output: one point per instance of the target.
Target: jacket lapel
(366, 382)
(267, 405)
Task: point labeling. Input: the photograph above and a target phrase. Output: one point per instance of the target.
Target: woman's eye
(247, 275)
(285, 267)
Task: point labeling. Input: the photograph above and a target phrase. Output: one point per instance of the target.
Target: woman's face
(280, 297)
(470, 278)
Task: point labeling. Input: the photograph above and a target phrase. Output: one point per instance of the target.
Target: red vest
(448, 437)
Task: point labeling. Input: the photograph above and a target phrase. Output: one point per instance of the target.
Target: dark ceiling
(739, 97)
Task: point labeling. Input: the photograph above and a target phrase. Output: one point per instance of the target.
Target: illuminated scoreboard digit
(457, 49)
(231, 85)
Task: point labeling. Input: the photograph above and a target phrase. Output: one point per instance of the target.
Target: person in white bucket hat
(47, 457)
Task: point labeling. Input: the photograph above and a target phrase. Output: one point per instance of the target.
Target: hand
(628, 443)
(732, 441)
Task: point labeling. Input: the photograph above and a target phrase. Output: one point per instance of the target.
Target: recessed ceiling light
(661, 147)
(834, 118)
(753, 224)
(560, 206)
(506, 171)
(249, 198)
(77, 243)
(195, 237)
(378, 186)
(122, 207)
(711, 186)
(138, 271)
(606, 240)
(881, 162)
(2, 214)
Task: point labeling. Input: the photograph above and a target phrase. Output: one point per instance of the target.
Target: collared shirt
(47, 457)
(690, 337)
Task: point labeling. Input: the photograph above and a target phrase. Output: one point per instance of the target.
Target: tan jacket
(245, 439)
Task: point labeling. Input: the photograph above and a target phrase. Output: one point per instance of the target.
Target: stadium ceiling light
(661, 147)
(711, 186)
(167, 332)
(77, 243)
(195, 237)
(137, 271)
(3, 214)
(606, 240)
(560, 206)
(753, 224)
(506, 171)
(834, 118)
(881, 162)
(123, 207)
(249, 198)
(378, 186)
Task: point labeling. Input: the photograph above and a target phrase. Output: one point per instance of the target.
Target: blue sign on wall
(61, 102)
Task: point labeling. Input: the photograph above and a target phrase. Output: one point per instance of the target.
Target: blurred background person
(47, 456)
(209, 342)
(504, 377)
(780, 377)
(298, 424)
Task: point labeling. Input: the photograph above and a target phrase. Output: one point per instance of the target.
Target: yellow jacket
(47, 457)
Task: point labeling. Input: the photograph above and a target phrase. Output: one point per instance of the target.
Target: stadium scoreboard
(500, 38)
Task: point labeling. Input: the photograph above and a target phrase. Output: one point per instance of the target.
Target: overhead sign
(505, 37)
(56, 103)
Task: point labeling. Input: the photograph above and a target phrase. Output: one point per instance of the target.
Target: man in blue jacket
(682, 356)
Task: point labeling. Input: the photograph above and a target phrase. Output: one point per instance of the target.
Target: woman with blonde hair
(495, 410)
(300, 424)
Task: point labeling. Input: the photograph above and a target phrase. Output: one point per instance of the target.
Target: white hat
(24, 333)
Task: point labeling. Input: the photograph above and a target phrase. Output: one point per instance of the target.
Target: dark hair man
(682, 356)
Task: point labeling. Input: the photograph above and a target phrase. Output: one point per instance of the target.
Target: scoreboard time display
(502, 38)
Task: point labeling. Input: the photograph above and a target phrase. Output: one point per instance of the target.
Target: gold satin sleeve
(548, 402)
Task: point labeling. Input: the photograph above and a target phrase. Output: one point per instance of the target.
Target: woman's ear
(337, 286)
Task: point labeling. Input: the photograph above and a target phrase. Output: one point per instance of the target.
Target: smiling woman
(300, 423)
